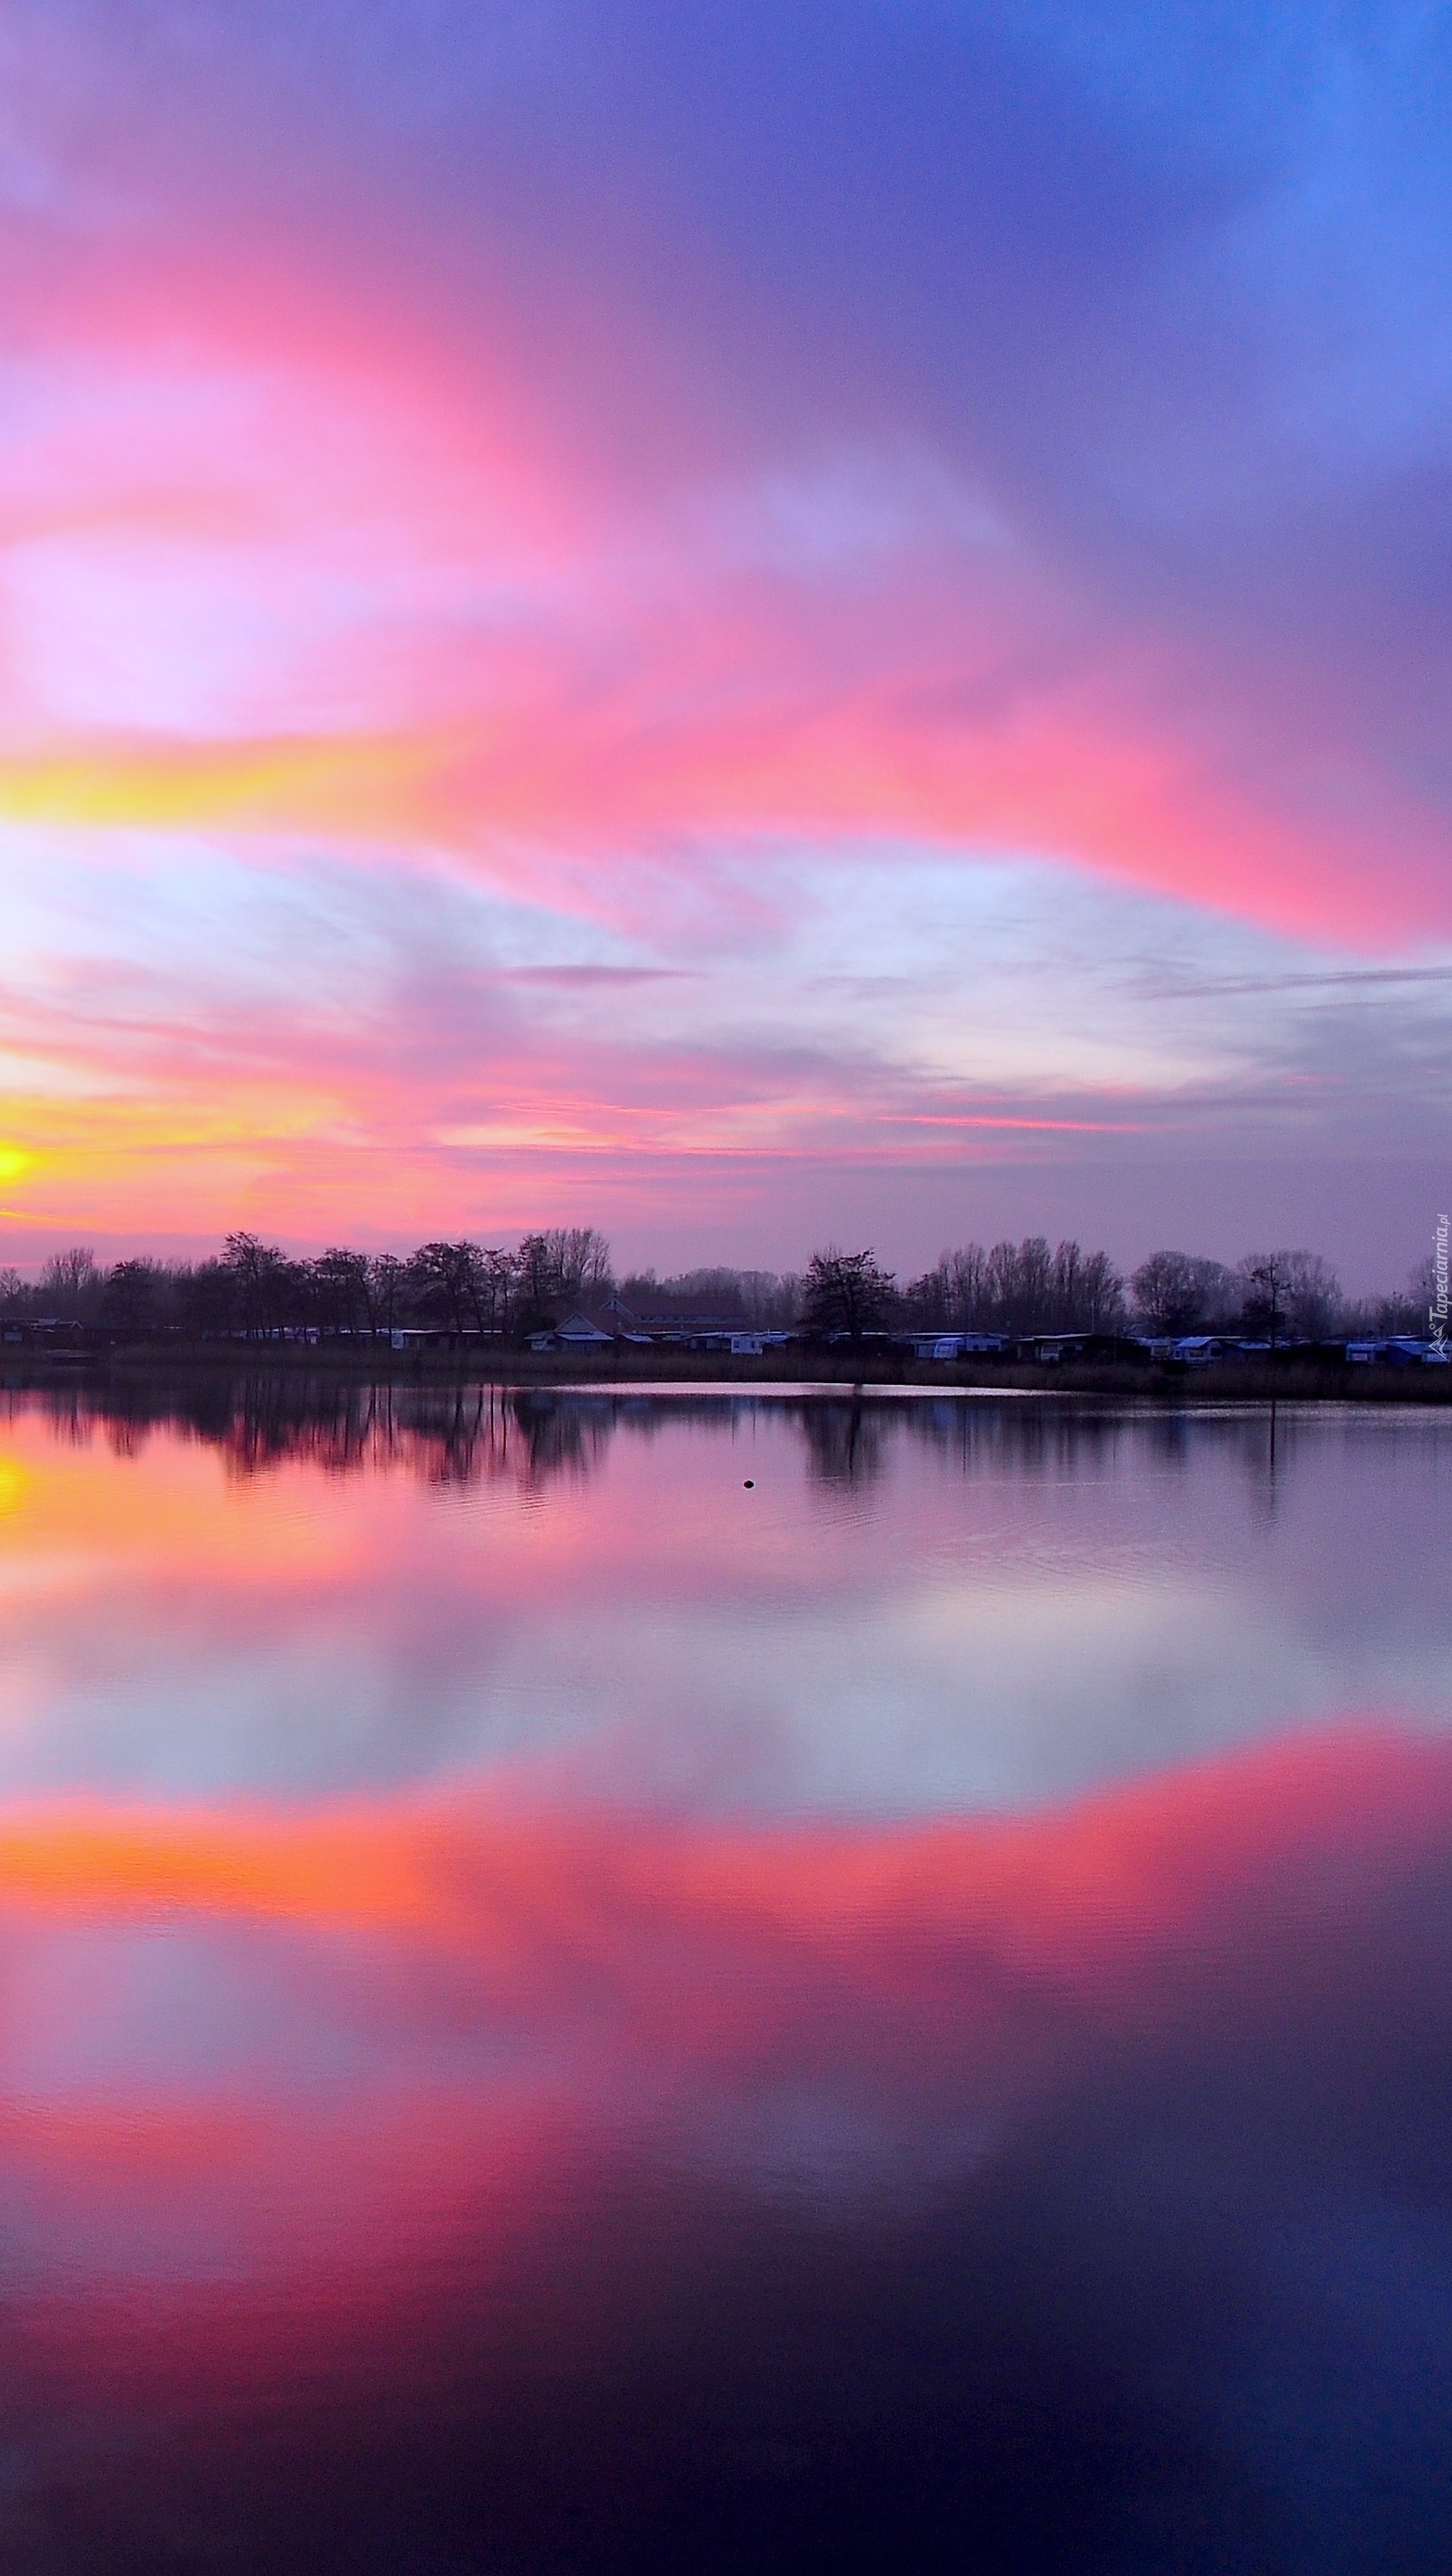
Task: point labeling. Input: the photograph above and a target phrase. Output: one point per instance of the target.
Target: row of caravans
(1195, 1350)
(594, 1333)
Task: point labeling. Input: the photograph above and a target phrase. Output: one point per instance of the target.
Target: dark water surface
(562, 2012)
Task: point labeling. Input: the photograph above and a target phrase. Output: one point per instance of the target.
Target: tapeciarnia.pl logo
(1437, 1315)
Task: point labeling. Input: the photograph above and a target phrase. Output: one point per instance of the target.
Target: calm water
(563, 2011)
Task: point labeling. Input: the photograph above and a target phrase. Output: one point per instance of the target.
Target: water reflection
(471, 1434)
(445, 1435)
(562, 2011)
(473, 2188)
(910, 1607)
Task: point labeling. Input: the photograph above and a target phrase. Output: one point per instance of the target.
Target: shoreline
(129, 1368)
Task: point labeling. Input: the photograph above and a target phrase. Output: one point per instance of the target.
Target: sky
(747, 624)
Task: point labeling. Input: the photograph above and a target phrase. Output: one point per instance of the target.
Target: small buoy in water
(750, 1482)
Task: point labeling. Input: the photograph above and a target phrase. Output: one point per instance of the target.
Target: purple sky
(744, 624)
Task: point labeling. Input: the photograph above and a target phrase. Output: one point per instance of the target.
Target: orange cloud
(1095, 1896)
(468, 2006)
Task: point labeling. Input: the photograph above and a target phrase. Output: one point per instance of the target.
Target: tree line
(255, 1288)
(1031, 1287)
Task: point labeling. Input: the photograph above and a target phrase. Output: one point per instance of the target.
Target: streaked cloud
(864, 579)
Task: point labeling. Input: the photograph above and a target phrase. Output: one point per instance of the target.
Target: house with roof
(694, 1324)
(687, 1320)
(590, 1331)
(667, 1323)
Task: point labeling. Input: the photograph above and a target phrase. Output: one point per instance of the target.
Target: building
(954, 1346)
(590, 1330)
(690, 1322)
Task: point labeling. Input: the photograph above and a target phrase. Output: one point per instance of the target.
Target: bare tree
(265, 1282)
(580, 1258)
(134, 1293)
(765, 1297)
(1019, 1281)
(567, 1266)
(492, 1288)
(967, 1293)
(1099, 1296)
(388, 1282)
(1313, 1295)
(1267, 1282)
(444, 1277)
(209, 1297)
(1086, 1292)
(1020, 1287)
(925, 1300)
(1065, 1278)
(1178, 1292)
(343, 1289)
(846, 1292)
(72, 1280)
(538, 1291)
(1290, 1295)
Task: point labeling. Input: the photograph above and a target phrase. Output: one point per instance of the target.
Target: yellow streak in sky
(350, 781)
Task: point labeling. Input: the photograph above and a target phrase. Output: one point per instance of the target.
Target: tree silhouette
(846, 1292)
(1174, 1292)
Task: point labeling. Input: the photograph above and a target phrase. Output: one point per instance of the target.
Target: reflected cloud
(270, 1586)
(734, 2167)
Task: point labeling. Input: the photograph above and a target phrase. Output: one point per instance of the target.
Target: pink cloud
(309, 544)
(656, 1976)
(272, 560)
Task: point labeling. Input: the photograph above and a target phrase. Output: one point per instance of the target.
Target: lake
(723, 1982)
